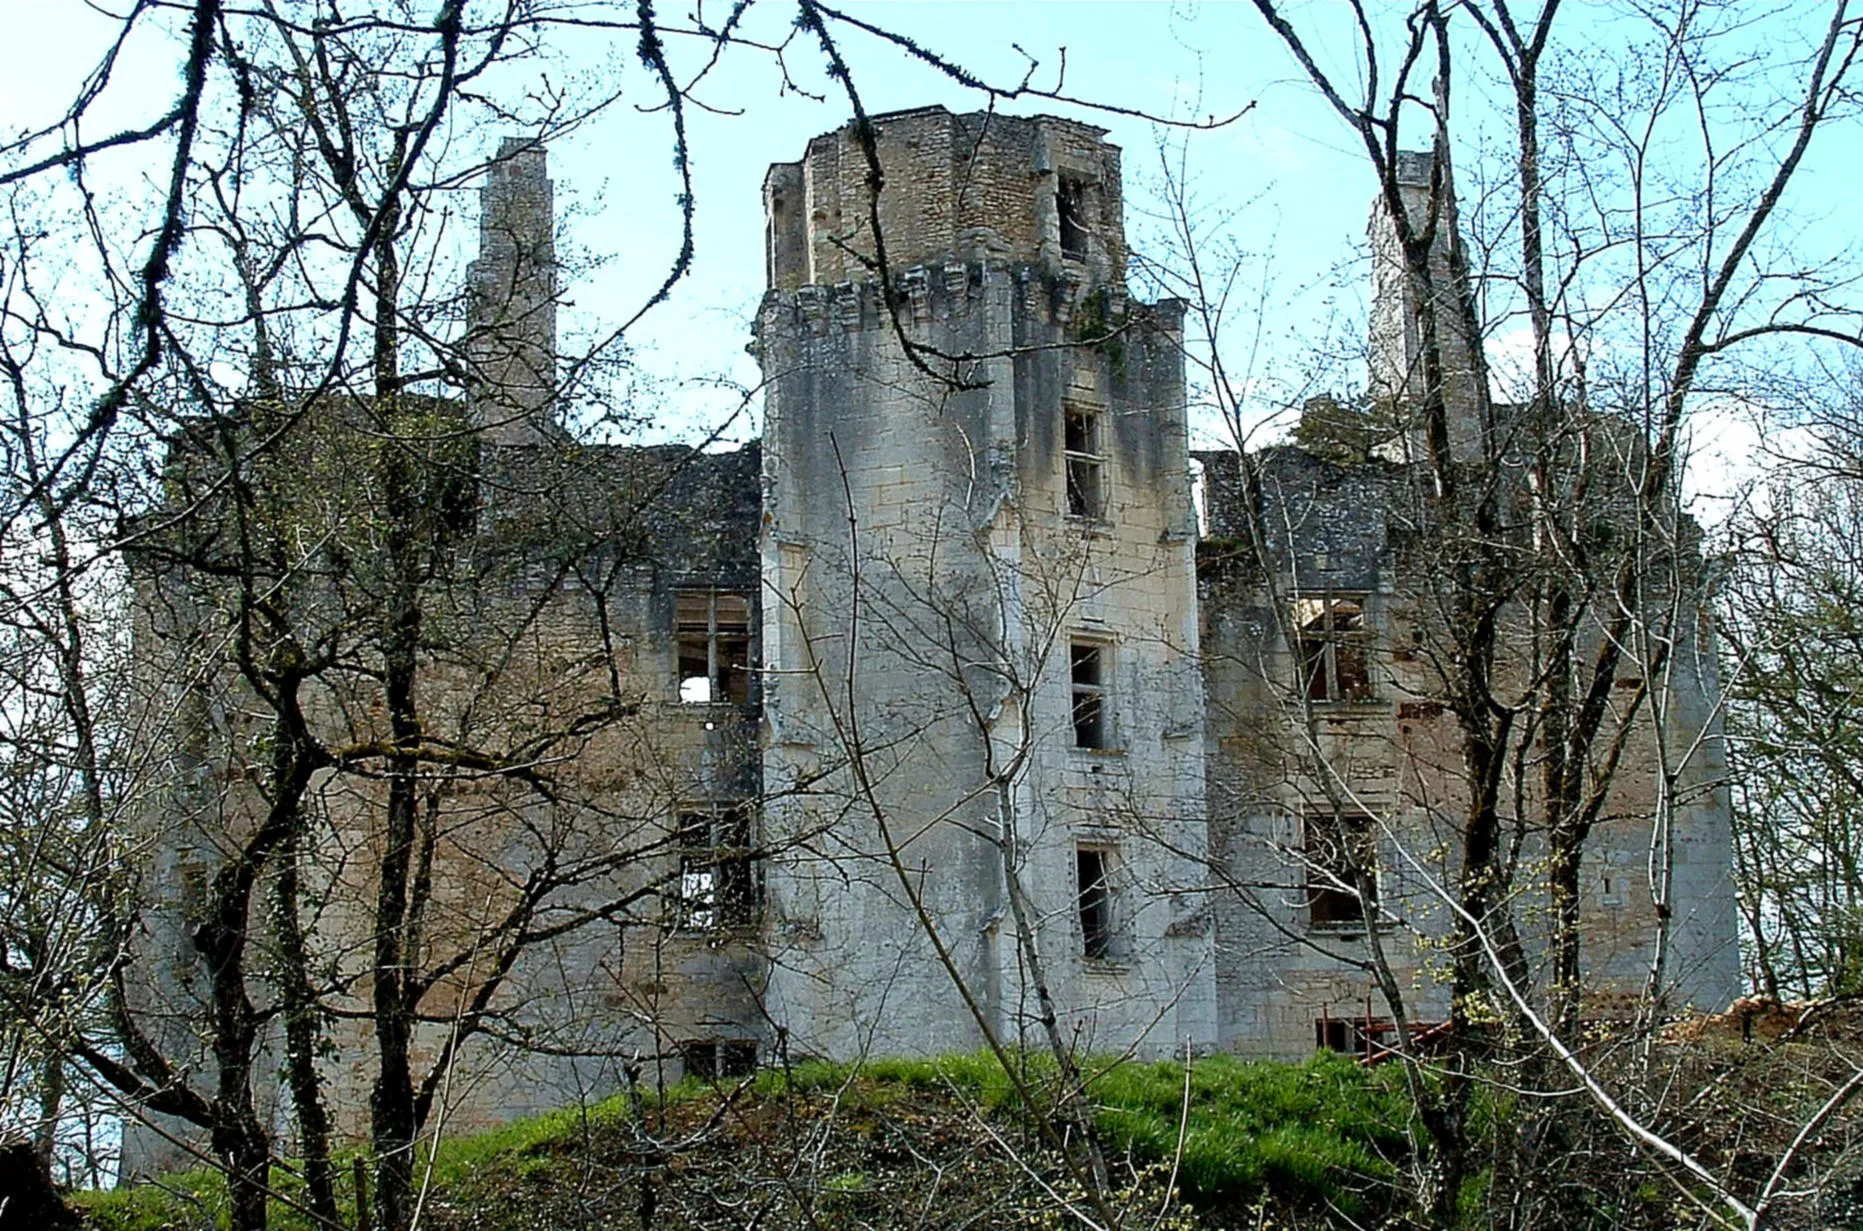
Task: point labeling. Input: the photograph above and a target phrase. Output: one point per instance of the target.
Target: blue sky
(1146, 57)
(1298, 189)
(614, 176)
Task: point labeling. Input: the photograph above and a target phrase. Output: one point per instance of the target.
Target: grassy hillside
(939, 1142)
(947, 1143)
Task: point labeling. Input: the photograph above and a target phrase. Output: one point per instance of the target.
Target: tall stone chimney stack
(1396, 341)
(511, 317)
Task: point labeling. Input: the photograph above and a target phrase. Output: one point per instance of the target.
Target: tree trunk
(392, 1114)
(302, 1035)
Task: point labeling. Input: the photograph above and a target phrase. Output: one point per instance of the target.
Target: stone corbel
(1073, 283)
(847, 305)
(916, 282)
(813, 301)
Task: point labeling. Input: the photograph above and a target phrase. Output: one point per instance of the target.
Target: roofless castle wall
(937, 714)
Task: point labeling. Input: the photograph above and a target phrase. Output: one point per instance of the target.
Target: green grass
(1321, 1132)
(198, 1198)
(977, 1075)
(188, 1198)
(1316, 1132)
(461, 1157)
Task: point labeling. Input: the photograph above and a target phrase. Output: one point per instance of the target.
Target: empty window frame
(1341, 855)
(1070, 202)
(1087, 678)
(711, 1059)
(1086, 463)
(712, 632)
(718, 874)
(1094, 901)
(1360, 1036)
(1610, 885)
(1332, 643)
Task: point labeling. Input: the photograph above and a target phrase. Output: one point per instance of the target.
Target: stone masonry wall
(1280, 760)
(924, 579)
(554, 622)
(932, 720)
(957, 188)
(1396, 347)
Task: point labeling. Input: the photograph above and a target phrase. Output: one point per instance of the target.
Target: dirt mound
(1762, 1019)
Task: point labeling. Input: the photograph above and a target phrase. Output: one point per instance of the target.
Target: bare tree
(316, 501)
(1785, 615)
(362, 541)
(1548, 591)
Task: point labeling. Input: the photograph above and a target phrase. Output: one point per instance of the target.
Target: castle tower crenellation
(1043, 191)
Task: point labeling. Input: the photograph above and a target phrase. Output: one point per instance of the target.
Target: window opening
(717, 869)
(1070, 199)
(1086, 464)
(1336, 845)
(1094, 897)
(1359, 1036)
(1332, 641)
(1087, 673)
(1611, 887)
(701, 1058)
(712, 631)
(711, 1059)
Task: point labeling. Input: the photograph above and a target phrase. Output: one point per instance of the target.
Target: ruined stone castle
(949, 706)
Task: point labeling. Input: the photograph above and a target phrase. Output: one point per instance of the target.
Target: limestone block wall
(1394, 755)
(551, 651)
(867, 476)
(928, 581)
(191, 809)
(1396, 343)
(512, 294)
(955, 187)
(1276, 766)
